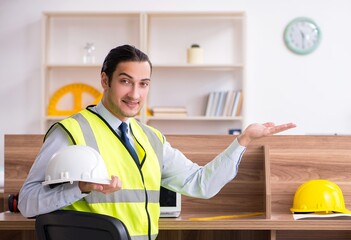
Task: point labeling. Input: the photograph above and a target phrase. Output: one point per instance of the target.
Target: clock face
(302, 35)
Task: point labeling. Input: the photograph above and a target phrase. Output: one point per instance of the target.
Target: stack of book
(224, 104)
(169, 111)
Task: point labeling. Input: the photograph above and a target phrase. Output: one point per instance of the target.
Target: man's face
(128, 89)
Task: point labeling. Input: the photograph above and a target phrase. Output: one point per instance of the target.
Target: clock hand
(303, 36)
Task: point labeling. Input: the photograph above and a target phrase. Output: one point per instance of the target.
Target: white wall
(311, 90)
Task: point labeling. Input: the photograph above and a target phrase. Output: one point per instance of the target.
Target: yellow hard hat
(319, 196)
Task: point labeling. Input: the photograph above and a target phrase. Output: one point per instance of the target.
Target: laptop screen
(170, 203)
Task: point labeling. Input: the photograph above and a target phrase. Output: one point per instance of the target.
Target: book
(240, 104)
(170, 114)
(236, 103)
(220, 104)
(213, 107)
(169, 109)
(224, 103)
(209, 104)
(228, 103)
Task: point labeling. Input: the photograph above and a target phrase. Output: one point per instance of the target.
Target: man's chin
(131, 114)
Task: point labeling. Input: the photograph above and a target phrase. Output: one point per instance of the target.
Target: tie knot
(123, 127)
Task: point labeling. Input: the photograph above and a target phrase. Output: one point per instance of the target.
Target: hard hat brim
(346, 211)
(97, 181)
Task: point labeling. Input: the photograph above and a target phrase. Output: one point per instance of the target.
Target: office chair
(73, 225)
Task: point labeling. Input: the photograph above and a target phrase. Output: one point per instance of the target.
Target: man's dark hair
(125, 53)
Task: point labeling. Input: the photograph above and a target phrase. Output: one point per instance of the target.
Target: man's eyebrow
(127, 75)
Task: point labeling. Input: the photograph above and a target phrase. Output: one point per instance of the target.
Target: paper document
(319, 216)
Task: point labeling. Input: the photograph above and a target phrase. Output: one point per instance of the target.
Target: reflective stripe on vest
(137, 196)
(137, 204)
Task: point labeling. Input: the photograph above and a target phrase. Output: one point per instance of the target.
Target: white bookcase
(165, 37)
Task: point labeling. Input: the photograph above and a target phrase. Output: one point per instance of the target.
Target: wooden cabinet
(165, 37)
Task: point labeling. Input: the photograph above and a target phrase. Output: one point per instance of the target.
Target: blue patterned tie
(123, 128)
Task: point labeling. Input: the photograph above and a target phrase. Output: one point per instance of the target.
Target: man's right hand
(114, 186)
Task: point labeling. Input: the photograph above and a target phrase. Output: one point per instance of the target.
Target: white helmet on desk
(76, 163)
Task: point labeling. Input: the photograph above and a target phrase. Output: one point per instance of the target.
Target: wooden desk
(279, 222)
(15, 226)
(15, 221)
(269, 174)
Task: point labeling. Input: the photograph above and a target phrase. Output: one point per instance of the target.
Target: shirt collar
(113, 121)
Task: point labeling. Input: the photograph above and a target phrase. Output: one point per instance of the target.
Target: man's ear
(104, 81)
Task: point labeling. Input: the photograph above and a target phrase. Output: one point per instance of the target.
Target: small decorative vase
(89, 57)
(195, 54)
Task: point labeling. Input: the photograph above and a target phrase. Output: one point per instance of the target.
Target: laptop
(170, 203)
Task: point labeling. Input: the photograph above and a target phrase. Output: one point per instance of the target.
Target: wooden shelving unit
(165, 37)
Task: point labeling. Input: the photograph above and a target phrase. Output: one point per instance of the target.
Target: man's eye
(125, 81)
(144, 84)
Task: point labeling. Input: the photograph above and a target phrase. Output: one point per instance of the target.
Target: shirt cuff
(235, 148)
(76, 191)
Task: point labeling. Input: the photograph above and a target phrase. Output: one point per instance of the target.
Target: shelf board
(59, 118)
(55, 118)
(59, 65)
(171, 118)
(193, 118)
(89, 14)
(186, 66)
(200, 66)
(223, 15)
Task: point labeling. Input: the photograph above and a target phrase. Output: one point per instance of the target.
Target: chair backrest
(73, 225)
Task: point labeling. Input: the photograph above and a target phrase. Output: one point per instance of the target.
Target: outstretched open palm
(256, 130)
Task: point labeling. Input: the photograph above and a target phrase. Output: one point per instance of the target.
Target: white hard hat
(76, 163)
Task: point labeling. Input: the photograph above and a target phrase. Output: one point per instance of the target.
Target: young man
(133, 194)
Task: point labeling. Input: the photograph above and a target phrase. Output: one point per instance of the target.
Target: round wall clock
(302, 35)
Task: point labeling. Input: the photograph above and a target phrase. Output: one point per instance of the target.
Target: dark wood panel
(245, 193)
(314, 235)
(17, 235)
(291, 167)
(214, 235)
(19, 154)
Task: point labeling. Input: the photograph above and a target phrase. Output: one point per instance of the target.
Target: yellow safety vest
(137, 203)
